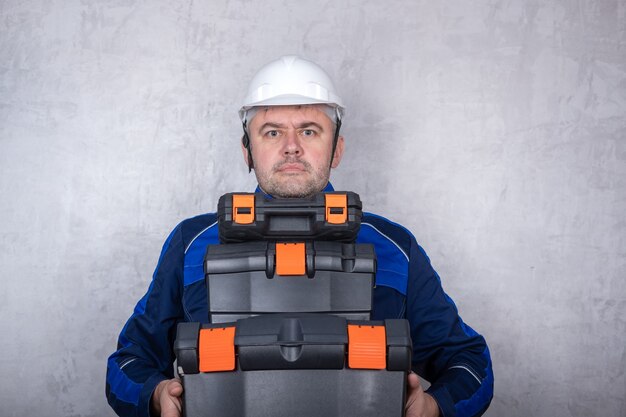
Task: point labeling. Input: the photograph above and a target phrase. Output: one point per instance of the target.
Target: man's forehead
(313, 112)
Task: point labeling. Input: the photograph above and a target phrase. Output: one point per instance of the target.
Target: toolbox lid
(261, 256)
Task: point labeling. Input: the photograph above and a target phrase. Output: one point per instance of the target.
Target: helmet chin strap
(245, 140)
(335, 139)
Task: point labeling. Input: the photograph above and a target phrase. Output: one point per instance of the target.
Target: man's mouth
(291, 167)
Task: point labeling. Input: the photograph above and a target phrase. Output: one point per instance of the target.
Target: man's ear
(338, 152)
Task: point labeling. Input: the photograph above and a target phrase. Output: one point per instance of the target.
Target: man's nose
(292, 144)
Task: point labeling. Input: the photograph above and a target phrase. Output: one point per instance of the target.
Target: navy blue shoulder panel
(196, 226)
(198, 232)
(392, 243)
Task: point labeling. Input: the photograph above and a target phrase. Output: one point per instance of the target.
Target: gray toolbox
(251, 278)
(283, 365)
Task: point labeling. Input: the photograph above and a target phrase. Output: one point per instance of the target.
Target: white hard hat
(291, 80)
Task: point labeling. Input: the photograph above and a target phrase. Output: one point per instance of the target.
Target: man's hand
(166, 399)
(418, 403)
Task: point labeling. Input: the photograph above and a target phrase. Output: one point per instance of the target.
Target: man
(291, 119)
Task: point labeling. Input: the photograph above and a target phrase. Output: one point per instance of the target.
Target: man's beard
(300, 187)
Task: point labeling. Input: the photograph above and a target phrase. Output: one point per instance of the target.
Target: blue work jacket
(446, 351)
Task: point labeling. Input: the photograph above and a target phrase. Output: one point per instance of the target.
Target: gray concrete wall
(494, 130)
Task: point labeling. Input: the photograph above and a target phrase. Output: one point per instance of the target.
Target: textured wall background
(495, 130)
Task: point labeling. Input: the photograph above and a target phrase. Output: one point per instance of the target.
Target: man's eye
(308, 132)
(272, 133)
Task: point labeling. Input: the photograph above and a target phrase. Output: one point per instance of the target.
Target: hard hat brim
(289, 100)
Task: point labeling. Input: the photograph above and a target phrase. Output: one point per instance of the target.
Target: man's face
(291, 147)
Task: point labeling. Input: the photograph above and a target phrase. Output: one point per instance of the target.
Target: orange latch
(243, 208)
(367, 347)
(336, 208)
(216, 349)
(290, 259)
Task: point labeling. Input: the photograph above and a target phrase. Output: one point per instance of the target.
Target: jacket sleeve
(446, 351)
(144, 354)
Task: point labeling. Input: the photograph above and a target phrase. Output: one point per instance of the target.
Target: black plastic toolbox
(284, 365)
(252, 278)
(323, 216)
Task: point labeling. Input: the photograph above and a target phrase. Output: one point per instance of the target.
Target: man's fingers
(169, 398)
(413, 381)
(171, 410)
(175, 388)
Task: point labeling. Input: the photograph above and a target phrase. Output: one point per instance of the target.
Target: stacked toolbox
(290, 296)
